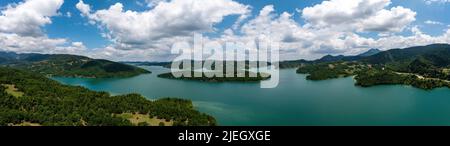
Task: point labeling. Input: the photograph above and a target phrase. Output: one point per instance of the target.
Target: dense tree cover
(69, 65)
(243, 76)
(48, 102)
(372, 77)
(428, 61)
(424, 67)
(323, 71)
(248, 77)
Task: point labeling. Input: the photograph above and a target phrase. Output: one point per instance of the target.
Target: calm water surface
(295, 101)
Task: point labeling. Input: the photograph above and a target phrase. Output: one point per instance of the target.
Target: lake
(296, 101)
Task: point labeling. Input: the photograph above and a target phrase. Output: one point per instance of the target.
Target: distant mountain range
(425, 59)
(328, 58)
(68, 65)
(437, 54)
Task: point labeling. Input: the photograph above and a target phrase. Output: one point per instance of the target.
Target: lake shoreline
(296, 101)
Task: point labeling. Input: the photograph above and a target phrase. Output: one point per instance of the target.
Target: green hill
(429, 61)
(425, 67)
(32, 99)
(68, 65)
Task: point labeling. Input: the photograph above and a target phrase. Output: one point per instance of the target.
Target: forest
(45, 102)
(324, 71)
(247, 77)
(425, 67)
(372, 77)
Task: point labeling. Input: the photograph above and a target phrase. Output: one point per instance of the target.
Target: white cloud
(429, 2)
(313, 41)
(331, 27)
(21, 28)
(433, 22)
(83, 8)
(41, 44)
(26, 18)
(153, 3)
(15, 42)
(359, 15)
(166, 21)
(299, 41)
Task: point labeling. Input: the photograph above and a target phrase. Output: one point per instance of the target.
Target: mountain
(437, 55)
(430, 61)
(68, 65)
(370, 52)
(330, 58)
(27, 98)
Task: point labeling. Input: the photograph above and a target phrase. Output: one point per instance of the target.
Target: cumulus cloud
(330, 27)
(15, 42)
(167, 20)
(21, 28)
(83, 8)
(27, 18)
(315, 39)
(359, 15)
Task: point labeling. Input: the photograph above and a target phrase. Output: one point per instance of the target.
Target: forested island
(246, 77)
(68, 65)
(239, 71)
(425, 67)
(30, 99)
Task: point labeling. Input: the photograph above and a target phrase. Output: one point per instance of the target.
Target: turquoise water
(295, 101)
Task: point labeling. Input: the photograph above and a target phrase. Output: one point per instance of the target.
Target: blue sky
(74, 28)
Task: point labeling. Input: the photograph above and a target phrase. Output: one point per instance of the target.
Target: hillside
(68, 65)
(370, 52)
(429, 61)
(425, 67)
(32, 99)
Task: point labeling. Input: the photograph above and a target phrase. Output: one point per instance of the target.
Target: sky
(145, 30)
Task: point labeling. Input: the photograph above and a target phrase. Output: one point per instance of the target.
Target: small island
(247, 77)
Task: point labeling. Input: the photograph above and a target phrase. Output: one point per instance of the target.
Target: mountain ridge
(68, 65)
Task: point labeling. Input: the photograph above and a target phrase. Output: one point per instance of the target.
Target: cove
(296, 101)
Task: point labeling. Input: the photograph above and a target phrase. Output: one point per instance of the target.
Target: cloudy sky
(144, 30)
